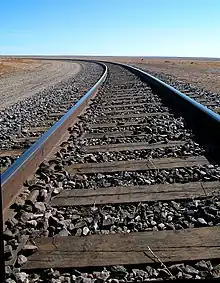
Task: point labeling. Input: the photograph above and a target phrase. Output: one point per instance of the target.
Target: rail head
(157, 82)
(13, 178)
(203, 120)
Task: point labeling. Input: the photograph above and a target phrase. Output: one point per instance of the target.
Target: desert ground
(21, 78)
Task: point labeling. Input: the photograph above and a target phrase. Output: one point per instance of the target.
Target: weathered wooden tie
(136, 165)
(139, 109)
(136, 105)
(116, 134)
(126, 248)
(134, 114)
(119, 124)
(132, 194)
(131, 146)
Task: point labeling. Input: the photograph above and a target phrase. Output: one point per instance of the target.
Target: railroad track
(126, 188)
(24, 123)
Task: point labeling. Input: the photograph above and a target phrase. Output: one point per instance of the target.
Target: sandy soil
(16, 65)
(21, 78)
(203, 73)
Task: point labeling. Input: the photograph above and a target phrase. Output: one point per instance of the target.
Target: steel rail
(13, 178)
(204, 121)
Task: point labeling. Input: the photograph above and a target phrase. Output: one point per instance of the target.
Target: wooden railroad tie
(126, 248)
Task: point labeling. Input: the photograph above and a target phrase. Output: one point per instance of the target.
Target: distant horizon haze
(106, 56)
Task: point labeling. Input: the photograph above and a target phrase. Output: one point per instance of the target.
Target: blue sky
(110, 27)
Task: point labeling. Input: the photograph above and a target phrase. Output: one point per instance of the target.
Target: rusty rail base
(13, 178)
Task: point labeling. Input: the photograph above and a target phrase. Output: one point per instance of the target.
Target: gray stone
(56, 191)
(21, 277)
(96, 274)
(71, 227)
(29, 249)
(13, 221)
(216, 274)
(80, 224)
(89, 220)
(9, 280)
(201, 265)
(21, 260)
(140, 273)
(62, 278)
(118, 270)
(78, 232)
(175, 205)
(38, 215)
(40, 206)
(86, 280)
(191, 270)
(20, 201)
(169, 218)
(33, 223)
(8, 252)
(149, 270)
(55, 273)
(104, 274)
(155, 272)
(75, 217)
(64, 232)
(187, 276)
(8, 270)
(179, 275)
(86, 231)
(8, 234)
(107, 222)
(202, 221)
(44, 194)
(161, 226)
(217, 267)
(93, 158)
(176, 267)
(65, 222)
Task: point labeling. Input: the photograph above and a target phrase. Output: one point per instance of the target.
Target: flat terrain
(203, 73)
(21, 78)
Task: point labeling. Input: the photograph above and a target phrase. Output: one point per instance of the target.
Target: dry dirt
(16, 65)
(21, 78)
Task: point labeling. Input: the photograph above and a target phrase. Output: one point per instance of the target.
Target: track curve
(135, 183)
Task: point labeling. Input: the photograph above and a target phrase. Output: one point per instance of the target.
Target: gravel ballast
(34, 111)
(35, 217)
